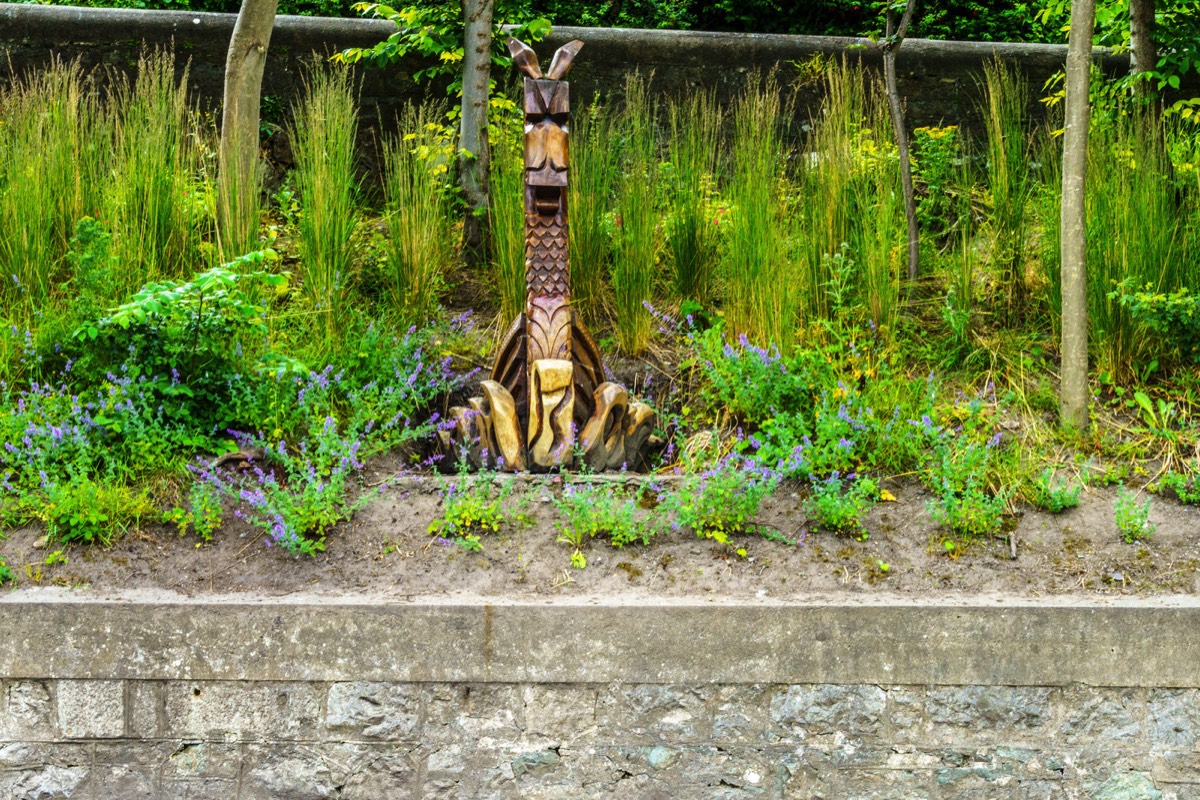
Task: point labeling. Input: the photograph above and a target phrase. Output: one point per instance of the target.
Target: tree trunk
(1073, 397)
(237, 177)
(474, 155)
(891, 45)
(1143, 54)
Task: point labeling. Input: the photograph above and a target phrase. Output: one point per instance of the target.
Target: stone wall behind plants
(160, 696)
(939, 79)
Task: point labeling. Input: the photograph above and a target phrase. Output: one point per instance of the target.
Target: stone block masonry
(939, 80)
(164, 697)
(364, 739)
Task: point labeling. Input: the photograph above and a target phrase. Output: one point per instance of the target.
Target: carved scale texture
(548, 331)
(546, 266)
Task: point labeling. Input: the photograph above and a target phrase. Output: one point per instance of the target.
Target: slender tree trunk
(474, 154)
(1073, 399)
(891, 45)
(1143, 54)
(237, 177)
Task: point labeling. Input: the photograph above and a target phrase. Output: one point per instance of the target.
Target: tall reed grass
(54, 149)
(325, 126)
(420, 230)
(1047, 204)
(1137, 233)
(1010, 185)
(637, 241)
(761, 296)
(155, 204)
(594, 170)
(695, 127)
(507, 225)
(850, 203)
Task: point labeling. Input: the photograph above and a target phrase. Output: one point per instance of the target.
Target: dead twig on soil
(257, 536)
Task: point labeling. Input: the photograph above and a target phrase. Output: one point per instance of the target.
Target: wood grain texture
(504, 428)
(510, 368)
(551, 410)
(548, 329)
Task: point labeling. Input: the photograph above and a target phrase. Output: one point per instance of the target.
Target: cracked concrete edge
(971, 642)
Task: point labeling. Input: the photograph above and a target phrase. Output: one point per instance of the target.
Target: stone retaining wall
(158, 696)
(281, 740)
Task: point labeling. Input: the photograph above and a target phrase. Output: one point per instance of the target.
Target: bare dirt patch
(385, 550)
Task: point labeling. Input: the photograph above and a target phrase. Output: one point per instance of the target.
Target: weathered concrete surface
(153, 695)
(940, 80)
(1131, 643)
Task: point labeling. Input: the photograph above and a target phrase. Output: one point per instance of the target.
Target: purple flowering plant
(961, 467)
(839, 502)
(722, 500)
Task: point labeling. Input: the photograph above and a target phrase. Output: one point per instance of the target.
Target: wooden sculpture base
(545, 415)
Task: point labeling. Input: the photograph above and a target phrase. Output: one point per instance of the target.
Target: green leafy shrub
(1131, 516)
(839, 504)
(186, 345)
(936, 158)
(1053, 496)
(1173, 316)
(722, 501)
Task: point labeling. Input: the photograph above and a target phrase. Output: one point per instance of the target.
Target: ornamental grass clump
(691, 221)
(157, 207)
(323, 138)
(636, 222)
(55, 149)
(594, 173)
(419, 223)
(1009, 180)
(760, 290)
(507, 225)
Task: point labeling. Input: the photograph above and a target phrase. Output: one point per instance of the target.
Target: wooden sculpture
(548, 400)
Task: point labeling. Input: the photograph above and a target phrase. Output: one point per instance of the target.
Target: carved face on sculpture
(547, 111)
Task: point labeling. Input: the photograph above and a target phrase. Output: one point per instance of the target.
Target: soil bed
(385, 550)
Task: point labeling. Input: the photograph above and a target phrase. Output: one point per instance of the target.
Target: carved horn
(561, 63)
(525, 59)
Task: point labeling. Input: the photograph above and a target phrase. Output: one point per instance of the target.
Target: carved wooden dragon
(547, 400)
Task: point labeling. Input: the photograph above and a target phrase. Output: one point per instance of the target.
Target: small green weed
(202, 514)
(1186, 488)
(1132, 517)
(591, 511)
(6, 574)
(1053, 496)
(471, 505)
(83, 510)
